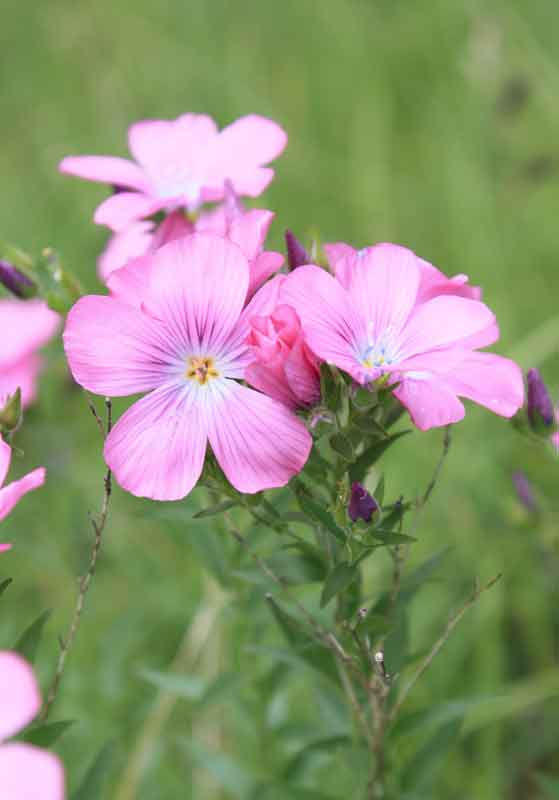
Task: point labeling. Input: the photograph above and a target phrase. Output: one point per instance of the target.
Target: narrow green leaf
(371, 455)
(46, 735)
(378, 494)
(424, 572)
(28, 642)
(341, 445)
(4, 585)
(91, 788)
(326, 744)
(389, 538)
(373, 625)
(228, 773)
(189, 687)
(320, 514)
(423, 770)
(337, 581)
(217, 509)
(330, 387)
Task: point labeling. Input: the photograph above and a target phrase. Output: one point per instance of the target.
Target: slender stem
(449, 627)
(438, 468)
(357, 710)
(98, 526)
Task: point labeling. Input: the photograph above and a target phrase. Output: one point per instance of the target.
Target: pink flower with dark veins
(185, 344)
(181, 164)
(26, 772)
(376, 324)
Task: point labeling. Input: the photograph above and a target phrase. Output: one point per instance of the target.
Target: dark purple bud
(540, 407)
(296, 253)
(16, 281)
(362, 505)
(524, 490)
(117, 189)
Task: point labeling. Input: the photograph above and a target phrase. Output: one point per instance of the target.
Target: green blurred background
(425, 122)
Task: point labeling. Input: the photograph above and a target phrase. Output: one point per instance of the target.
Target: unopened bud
(296, 253)
(16, 282)
(540, 407)
(362, 505)
(11, 413)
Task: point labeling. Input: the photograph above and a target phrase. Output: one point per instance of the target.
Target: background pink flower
(11, 494)
(375, 326)
(26, 326)
(26, 772)
(186, 346)
(182, 163)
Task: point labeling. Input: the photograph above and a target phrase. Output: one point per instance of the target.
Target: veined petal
(249, 230)
(430, 402)
(28, 773)
(263, 266)
(11, 494)
(157, 448)
(113, 349)
(340, 260)
(130, 284)
(20, 699)
(490, 380)
(383, 288)
(332, 326)
(119, 210)
(257, 441)
(105, 169)
(123, 246)
(199, 286)
(444, 322)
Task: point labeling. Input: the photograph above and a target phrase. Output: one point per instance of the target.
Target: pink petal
(174, 226)
(270, 379)
(157, 447)
(490, 380)
(258, 442)
(160, 144)
(30, 323)
(430, 402)
(264, 301)
(444, 322)
(434, 283)
(105, 169)
(263, 266)
(114, 349)
(238, 154)
(302, 375)
(5, 547)
(198, 287)
(383, 288)
(120, 210)
(20, 699)
(250, 230)
(5, 458)
(340, 259)
(331, 325)
(11, 494)
(28, 773)
(122, 247)
(130, 284)
(23, 375)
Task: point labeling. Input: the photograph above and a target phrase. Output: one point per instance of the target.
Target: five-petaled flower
(186, 345)
(182, 163)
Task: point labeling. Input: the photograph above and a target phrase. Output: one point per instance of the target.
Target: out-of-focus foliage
(426, 123)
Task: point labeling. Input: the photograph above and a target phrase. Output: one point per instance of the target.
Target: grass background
(428, 123)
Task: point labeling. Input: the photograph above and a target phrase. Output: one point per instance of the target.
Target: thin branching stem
(98, 525)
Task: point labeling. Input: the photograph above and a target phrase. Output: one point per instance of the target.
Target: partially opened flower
(11, 494)
(26, 772)
(343, 259)
(186, 346)
(376, 327)
(25, 326)
(182, 163)
(283, 365)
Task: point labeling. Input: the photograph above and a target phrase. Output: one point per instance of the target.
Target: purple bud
(15, 281)
(296, 253)
(540, 407)
(524, 491)
(362, 505)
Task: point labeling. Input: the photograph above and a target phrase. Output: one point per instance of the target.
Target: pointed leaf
(189, 687)
(28, 642)
(371, 455)
(337, 581)
(4, 585)
(320, 514)
(91, 788)
(217, 509)
(47, 734)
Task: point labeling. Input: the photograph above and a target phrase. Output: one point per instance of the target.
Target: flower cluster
(227, 349)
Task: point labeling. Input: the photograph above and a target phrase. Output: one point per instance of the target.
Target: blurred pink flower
(247, 229)
(186, 346)
(11, 494)
(182, 163)
(5, 547)
(343, 259)
(374, 326)
(284, 367)
(26, 326)
(26, 772)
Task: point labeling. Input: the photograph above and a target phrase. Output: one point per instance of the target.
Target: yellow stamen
(201, 369)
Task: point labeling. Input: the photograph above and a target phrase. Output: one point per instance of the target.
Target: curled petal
(11, 494)
(20, 699)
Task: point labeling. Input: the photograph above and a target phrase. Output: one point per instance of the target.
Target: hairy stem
(98, 525)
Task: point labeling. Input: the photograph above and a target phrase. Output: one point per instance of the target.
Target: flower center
(201, 369)
(382, 352)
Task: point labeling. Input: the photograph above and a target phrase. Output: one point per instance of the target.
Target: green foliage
(92, 785)
(29, 640)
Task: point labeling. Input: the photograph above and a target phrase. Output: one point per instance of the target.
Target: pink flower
(11, 494)
(376, 327)
(247, 229)
(26, 326)
(284, 367)
(181, 164)
(343, 259)
(5, 547)
(186, 346)
(26, 772)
